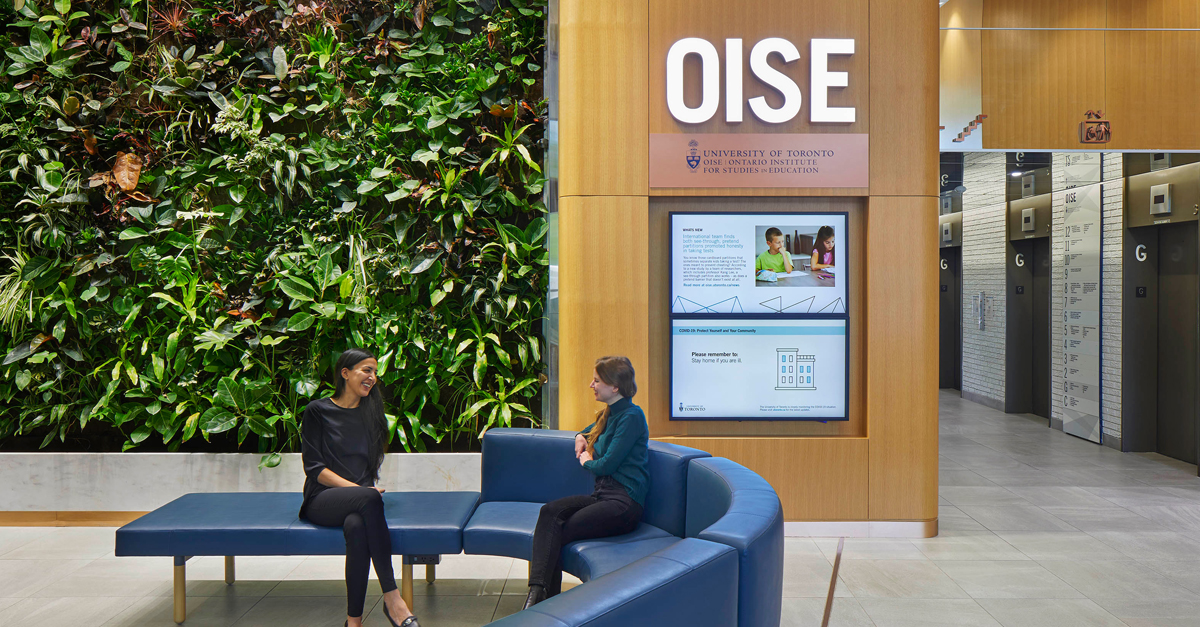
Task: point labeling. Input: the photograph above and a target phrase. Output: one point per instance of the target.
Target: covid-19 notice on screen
(758, 369)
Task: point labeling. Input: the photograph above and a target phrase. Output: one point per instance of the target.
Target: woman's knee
(354, 527)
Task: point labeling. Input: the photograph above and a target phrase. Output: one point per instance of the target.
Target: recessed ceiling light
(1016, 174)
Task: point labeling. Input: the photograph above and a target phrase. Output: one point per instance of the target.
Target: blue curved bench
(709, 550)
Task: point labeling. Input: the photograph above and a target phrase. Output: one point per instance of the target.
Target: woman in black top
(343, 440)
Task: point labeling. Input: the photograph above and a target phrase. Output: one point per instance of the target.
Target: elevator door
(950, 320)
(1177, 320)
(1040, 331)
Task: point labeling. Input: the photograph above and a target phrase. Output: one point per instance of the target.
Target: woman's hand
(584, 457)
(580, 445)
(381, 490)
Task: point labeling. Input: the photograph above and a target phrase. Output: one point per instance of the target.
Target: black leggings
(606, 512)
(359, 512)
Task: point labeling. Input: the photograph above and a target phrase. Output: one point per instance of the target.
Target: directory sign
(1081, 262)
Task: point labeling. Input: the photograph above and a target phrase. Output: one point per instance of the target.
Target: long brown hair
(822, 239)
(618, 372)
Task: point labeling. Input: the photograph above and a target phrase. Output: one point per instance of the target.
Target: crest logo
(693, 155)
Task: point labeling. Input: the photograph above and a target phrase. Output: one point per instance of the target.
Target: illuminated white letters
(821, 80)
(733, 80)
(710, 64)
(776, 79)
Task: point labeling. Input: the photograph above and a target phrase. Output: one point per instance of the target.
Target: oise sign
(820, 80)
(723, 156)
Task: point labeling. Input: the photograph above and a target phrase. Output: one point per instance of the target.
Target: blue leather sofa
(709, 550)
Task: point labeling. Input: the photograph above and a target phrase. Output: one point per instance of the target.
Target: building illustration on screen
(794, 371)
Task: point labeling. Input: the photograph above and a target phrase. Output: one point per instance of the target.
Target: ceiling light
(1016, 174)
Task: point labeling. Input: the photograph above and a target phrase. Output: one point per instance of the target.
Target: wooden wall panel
(902, 357)
(1153, 90)
(904, 106)
(1037, 86)
(657, 401)
(1042, 14)
(602, 134)
(798, 22)
(819, 479)
(1153, 14)
(602, 289)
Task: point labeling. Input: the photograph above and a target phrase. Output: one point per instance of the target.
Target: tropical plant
(202, 204)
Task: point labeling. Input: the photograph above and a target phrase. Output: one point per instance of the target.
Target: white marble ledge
(145, 481)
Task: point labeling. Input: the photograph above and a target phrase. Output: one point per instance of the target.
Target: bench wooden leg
(406, 584)
(180, 590)
(430, 573)
(229, 573)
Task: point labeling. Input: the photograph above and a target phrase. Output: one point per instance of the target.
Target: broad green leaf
(35, 267)
(23, 379)
(60, 329)
(217, 420)
(39, 42)
(300, 321)
(133, 232)
(279, 57)
(231, 394)
(237, 193)
(140, 434)
(307, 386)
(298, 289)
(62, 6)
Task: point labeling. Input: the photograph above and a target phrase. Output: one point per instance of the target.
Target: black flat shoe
(537, 594)
(411, 621)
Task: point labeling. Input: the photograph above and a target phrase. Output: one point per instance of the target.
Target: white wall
(983, 251)
(137, 482)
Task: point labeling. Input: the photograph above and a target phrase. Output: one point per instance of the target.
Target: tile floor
(1037, 528)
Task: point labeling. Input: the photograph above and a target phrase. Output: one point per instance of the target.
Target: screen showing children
(734, 263)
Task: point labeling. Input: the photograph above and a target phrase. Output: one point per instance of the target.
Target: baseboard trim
(986, 401)
(862, 529)
(67, 519)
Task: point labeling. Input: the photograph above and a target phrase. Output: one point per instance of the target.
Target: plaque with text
(748, 160)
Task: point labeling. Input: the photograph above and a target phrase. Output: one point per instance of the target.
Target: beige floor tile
(983, 545)
(927, 613)
(509, 604)
(1059, 496)
(1114, 518)
(1126, 609)
(295, 612)
(1007, 580)
(1116, 580)
(1186, 574)
(21, 578)
(201, 612)
(1157, 546)
(898, 579)
(67, 543)
(248, 568)
(64, 611)
(808, 612)
(1015, 517)
(12, 538)
(871, 549)
(1049, 613)
(445, 611)
(1060, 545)
(809, 577)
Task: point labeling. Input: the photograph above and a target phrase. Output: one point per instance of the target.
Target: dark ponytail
(371, 405)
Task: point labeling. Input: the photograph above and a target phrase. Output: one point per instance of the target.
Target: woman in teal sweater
(615, 448)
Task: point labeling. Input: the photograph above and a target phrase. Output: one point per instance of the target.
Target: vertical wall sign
(1081, 232)
(1081, 168)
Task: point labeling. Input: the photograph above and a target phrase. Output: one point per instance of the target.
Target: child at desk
(822, 254)
(774, 258)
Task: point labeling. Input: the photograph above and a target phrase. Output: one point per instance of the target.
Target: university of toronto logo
(693, 156)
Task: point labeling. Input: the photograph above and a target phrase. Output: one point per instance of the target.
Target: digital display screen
(759, 316)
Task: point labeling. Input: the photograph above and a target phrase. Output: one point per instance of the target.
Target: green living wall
(202, 202)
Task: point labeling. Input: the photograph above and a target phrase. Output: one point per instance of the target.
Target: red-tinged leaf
(503, 112)
(20, 86)
(89, 142)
